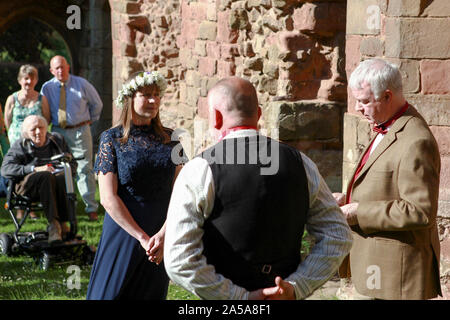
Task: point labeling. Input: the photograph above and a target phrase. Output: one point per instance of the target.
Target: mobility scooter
(72, 249)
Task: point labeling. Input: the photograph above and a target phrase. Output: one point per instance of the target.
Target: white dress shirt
(191, 204)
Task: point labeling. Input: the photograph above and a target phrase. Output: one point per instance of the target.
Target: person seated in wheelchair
(27, 164)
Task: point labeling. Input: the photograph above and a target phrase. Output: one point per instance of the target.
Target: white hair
(24, 130)
(379, 74)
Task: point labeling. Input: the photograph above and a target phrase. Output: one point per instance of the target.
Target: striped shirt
(191, 204)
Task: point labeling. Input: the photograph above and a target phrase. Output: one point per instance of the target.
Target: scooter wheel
(5, 244)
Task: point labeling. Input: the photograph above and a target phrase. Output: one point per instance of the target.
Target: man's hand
(340, 198)
(283, 290)
(349, 211)
(155, 250)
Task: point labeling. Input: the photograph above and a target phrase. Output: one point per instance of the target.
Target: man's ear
(218, 119)
(388, 95)
(259, 112)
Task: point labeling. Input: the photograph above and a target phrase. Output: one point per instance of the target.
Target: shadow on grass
(22, 279)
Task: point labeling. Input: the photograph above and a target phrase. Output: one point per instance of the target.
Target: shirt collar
(241, 133)
(66, 83)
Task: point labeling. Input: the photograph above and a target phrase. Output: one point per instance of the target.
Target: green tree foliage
(27, 41)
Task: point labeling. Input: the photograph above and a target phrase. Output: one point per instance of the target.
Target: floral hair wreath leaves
(141, 80)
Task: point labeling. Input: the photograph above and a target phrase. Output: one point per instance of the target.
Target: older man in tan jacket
(391, 200)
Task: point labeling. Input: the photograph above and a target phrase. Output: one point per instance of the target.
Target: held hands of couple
(154, 248)
(282, 290)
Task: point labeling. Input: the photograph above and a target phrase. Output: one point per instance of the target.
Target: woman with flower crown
(135, 175)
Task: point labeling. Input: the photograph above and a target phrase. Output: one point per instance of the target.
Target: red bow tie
(382, 128)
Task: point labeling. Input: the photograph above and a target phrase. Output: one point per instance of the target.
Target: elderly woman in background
(24, 102)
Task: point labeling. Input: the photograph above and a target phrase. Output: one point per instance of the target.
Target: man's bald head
(235, 98)
(60, 68)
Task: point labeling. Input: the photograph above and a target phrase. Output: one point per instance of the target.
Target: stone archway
(52, 13)
(90, 46)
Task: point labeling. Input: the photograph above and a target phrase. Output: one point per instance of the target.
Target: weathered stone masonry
(292, 51)
(298, 55)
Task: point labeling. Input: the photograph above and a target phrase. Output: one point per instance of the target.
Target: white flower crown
(141, 80)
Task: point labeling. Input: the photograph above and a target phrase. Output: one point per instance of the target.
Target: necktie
(62, 107)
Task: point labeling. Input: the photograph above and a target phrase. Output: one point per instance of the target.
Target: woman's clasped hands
(154, 247)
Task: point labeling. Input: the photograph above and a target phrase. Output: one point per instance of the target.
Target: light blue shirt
(82, 100)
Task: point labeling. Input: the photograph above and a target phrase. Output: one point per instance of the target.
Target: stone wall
(144, 37)
(292, 51)
(414, 35)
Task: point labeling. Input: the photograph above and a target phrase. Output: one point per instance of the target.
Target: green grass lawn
(21, 278)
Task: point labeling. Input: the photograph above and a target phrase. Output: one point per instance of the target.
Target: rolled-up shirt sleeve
(191, 203)
(331, 233)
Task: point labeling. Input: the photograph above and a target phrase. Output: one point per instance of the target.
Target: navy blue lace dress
(145, 172)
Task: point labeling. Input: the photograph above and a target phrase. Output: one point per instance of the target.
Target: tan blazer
(396, 250)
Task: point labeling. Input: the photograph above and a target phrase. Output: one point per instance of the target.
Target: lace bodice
(143, 164)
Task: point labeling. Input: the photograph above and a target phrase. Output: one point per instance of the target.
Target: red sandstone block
(198, 11)
(435, 76)
(127, 34)
(140, 23)
(444, 180)
(189, 31)
(202, 107)
(207, 66)
(224, 32)
(225, 69)
(294, 41)
(442, 135)
(352, 59)
(321, 18)
(116, 47)
(229, 51)
(351, 101)
(352, 53)
(445, 249)
(305, 90)
(213, 50)
(186, 13)
(128, 50)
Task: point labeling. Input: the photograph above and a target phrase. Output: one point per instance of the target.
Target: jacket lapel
(385, 143)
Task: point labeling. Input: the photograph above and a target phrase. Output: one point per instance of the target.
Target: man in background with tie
(392, 197)
(74, 105)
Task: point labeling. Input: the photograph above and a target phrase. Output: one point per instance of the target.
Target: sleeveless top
(19, 114)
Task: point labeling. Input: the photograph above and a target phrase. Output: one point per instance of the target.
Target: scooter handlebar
(62, 157)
